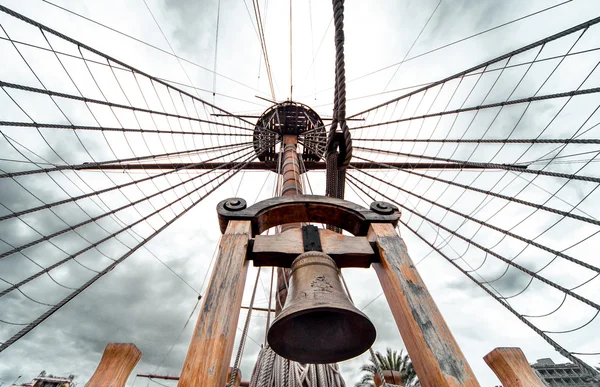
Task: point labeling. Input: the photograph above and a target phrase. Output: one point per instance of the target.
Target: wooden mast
(291, 185)
(436, 356)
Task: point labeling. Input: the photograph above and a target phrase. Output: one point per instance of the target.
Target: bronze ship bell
(318, 323)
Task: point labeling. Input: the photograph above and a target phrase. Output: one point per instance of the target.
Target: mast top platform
(289, 118)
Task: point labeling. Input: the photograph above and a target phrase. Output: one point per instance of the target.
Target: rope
(272, 370)
(337, 161)
(339, 107)
(238, 357)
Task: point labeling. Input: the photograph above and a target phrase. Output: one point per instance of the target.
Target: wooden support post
(209, 354)
(435, 354)
(118, 360)
(511, 367)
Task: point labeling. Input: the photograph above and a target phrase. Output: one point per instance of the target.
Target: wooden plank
(511, 367)
(281, 249)
(118, 360)
(209, 353)
(437, 359)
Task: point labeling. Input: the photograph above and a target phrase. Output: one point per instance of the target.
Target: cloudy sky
(148, 302)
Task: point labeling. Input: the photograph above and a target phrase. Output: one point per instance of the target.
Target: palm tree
(392, 361)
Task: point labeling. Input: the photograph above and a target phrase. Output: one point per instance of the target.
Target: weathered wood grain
(281, 249)
(437, 359)
(511, 367)
(209, 353)
(118, 360)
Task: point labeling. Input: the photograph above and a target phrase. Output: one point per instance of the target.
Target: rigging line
(85, 212)
(216, 49)
(96, 218)
(494, 254)
(312, 46)
(123, 69)
(95, 244)
(554, 344)
(549, 160)
(251, 20)
(98, 123)
(240, 352)
(25, 161)
(178, 336)
(114, 60)
(576, 134)
(460, 40)
(73, 182)
(108, 269)
(507, 167)
(115, 129)
(446, 240)
(263, 43)
(501, 196)
(571, 93)
(54, 213)
(548, 314)
(291, 51)
(352, 183)
(11, 323)
(555, 68)
(528, 47)
(159, 383)
(98, 164)
(144, 43)
(268, 325)
(490, 226)
(413, 45)
(575, 329)
(40, 302)
(312, 64)
(461, 255)
(114, 105)
(95, 193)
(590, 141)
(487, 71)
(211, 92)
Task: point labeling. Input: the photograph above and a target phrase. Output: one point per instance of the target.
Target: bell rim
(368, 331)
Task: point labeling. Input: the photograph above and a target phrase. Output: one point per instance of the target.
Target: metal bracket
(311, 238)
(309, 209)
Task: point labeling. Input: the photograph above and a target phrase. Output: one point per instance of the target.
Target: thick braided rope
(339, 102)
(272, 370)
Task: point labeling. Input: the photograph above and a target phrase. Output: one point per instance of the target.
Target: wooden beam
(118, 360)
(512, 368)
(272, 166)
(209, 353)
(281, 249)
(273, 212)
(437, 359)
